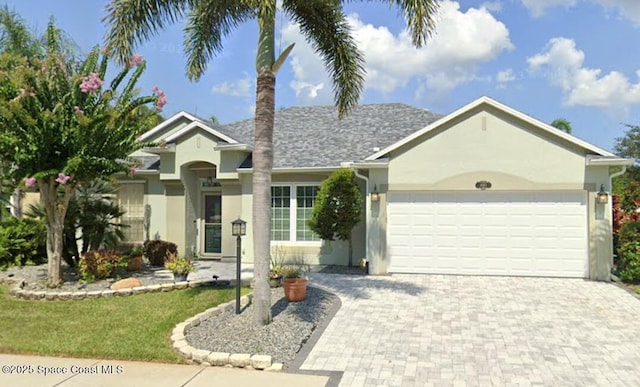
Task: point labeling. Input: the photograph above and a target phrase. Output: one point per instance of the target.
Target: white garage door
(488, 233)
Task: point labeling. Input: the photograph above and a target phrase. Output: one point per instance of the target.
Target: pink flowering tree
(63, 124)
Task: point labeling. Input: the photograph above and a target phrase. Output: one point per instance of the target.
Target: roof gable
(166, 129)
(537, 124)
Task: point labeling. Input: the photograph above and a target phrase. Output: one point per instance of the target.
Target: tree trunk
(262, 165)
(56, 211)
(262, 161)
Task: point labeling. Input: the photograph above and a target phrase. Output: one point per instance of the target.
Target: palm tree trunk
(262, 161)
(262, 165)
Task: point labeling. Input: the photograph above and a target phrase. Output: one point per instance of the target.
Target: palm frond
(420, 16)
(209, 21)
(326, 28)
(135, 21)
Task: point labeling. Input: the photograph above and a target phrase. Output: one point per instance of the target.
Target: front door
(212, 224)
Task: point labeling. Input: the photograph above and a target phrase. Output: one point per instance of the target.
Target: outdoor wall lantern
(483, 185)
(238, 229)
(602, 196)
(375, 196)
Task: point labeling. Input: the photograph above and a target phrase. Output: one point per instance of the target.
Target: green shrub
(156, 251)
(629, 262)
(100, 264)
(629, 232)
(22, 242)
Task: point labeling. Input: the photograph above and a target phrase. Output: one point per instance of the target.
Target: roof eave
(610, 161)
(293, 169)
(234, 147)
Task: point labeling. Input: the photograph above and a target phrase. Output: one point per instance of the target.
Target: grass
(128, 328)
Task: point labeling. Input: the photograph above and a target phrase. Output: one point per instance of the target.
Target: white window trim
(293, 206)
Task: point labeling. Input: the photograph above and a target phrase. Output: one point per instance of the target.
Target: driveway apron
(405, 330)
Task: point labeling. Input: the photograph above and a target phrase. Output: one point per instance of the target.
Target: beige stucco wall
(175, 210)
(157, 207)
(231, 210)
(485, 146)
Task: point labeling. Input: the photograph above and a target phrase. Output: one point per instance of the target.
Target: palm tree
(208, 21)
(562, 124)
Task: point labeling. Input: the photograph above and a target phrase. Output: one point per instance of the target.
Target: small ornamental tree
(61, 125)
(338, 208)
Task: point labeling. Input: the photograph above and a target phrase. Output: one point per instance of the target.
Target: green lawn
(131, 328)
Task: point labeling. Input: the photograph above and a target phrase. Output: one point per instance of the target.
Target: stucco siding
(157, 209)
(485, 146)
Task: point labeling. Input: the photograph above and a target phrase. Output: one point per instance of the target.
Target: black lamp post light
(238, 229)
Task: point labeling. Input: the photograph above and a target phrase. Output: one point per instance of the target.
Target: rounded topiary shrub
(157, 251)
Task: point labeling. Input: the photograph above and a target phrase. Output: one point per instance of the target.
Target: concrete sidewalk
(37, 371)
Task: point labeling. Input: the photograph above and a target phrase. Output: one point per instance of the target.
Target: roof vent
(376, 149)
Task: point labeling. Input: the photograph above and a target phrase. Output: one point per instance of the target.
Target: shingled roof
(313, 136)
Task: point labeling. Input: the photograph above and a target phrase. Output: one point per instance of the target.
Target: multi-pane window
(280, 213)
(131, 200)
(305, 197)
(291, 208)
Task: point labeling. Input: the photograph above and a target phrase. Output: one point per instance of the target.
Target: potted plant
(135, 259)
(179, 266)
(275, 277)
(295, 285)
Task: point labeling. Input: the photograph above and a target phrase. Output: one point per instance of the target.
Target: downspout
(367, 213)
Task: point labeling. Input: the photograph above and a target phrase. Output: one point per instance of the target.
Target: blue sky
(576, 59)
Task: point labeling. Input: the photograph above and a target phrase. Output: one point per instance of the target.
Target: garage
(488, 233)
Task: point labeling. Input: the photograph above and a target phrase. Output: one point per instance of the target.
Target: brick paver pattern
(435, 330)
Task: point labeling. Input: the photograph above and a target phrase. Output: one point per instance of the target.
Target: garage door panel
(506, 233)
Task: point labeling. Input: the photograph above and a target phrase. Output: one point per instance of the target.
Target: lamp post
(238, 229)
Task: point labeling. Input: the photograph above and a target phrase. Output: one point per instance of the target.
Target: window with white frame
(291, 208)
(131, 200)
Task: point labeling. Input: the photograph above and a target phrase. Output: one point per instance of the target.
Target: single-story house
(484, 190)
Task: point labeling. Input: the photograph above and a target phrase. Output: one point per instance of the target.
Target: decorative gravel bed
(292, 325)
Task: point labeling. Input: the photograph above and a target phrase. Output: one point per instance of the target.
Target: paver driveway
(474, 331)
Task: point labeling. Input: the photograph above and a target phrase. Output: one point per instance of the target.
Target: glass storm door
(212, 224)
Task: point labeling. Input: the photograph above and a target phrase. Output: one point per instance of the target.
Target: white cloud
(537, 7)
(503, 77)
(629, 9)
(493, 6)
(239, 88)
(563, 65)
(464, 40)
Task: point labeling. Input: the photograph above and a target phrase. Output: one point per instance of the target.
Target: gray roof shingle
(313, 136)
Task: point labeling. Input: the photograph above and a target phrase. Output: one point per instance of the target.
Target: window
(291, 208)
(280, 213)
(305, 197)
(131, 200)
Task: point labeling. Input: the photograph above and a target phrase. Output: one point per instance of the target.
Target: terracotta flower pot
(295, 289)
(135, 263)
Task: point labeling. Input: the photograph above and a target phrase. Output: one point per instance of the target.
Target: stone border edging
(18, 290)
(220, 359)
